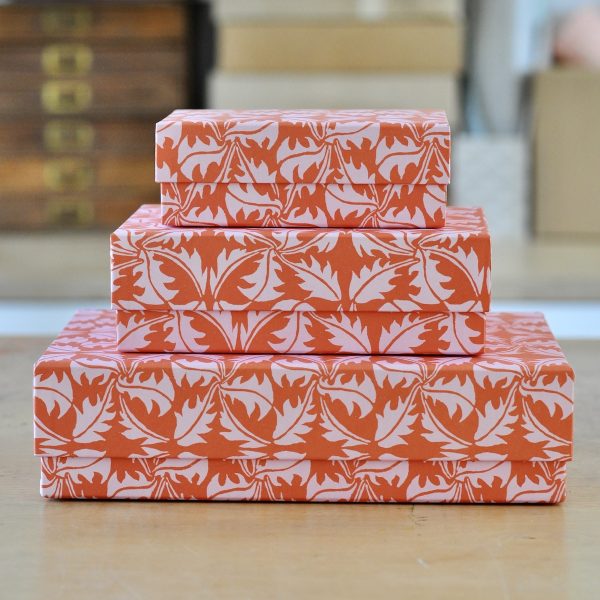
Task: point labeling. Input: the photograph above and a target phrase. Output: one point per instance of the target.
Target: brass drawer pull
(66, 20)
(68, 136)
(72, 212)
(67, 59)
(59, 97)
(68, 175)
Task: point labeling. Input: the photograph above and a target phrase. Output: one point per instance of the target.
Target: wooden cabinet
(81, 87)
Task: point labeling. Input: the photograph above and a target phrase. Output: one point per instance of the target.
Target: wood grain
(156, 550)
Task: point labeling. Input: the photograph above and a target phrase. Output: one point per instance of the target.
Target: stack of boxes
(303, 320)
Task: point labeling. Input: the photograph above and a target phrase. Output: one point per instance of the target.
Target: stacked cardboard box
(344, 54)
(297, 362)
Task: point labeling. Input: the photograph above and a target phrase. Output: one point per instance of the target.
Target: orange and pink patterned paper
(156, 267)
(304, 146)
(296, 332)
(304, 480)
(393, 206)
(514, 402)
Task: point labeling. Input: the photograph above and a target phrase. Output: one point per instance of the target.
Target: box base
(390, 206)
(279, 332)
(471, 482)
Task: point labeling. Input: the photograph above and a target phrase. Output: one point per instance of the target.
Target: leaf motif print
(353, 392)
(357, 481)
(303, 480)
(396, 422)
(346, 333)
(513, 402)
(303, 146)
(293, 337)
(294, 370)
(151, 389)
(146, 437)
(557, 391)
(163, 479)
(196, 371)
(54, 390)
(301, 269)
(264, 283)
(194, 421)
(545, 483)
(496, 423)
(372, 283)
(257, 480)
(319, 280)
(459, 482)
(446, 401)
(399, 336)
(69, 478)
(397, 206)
(92, 420)
(456, 394)
(461, 333)
(253, 393)
(293, 422)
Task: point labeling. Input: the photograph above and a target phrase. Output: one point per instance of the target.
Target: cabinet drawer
(146, 94)
(74, 174)
(62, 135)
(98, 208)
(91, 22)
(79, 59)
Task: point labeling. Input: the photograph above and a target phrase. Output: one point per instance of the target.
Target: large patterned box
(304, 168)
(357, 291)
(492, 428)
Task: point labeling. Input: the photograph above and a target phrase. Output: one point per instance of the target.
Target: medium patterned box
(358, 291)
(492, 428)
(305, 168)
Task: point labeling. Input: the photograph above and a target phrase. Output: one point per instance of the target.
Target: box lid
(156, 267)
(513, 402)
(304, 146)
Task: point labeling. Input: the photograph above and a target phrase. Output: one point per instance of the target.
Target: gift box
(492, 428)
(296, 332)
(301, 291)
(347, 159)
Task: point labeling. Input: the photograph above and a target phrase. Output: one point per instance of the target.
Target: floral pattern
(393, 206)
(304, 480)
(304, 146)
(278, 332)
(155, 267)
(513, 402)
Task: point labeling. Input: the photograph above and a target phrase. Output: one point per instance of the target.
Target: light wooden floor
(51, 549)
(76, 265)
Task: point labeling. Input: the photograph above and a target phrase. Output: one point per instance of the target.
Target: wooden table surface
(54, 549)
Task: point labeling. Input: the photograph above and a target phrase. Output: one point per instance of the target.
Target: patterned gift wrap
(512, 403)
(295, 332)
(304, 146)
(156, 267)
(393, 206)
(304, 480)
(303, 168)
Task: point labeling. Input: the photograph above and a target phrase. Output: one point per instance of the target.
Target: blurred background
(82, 84)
